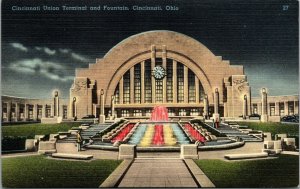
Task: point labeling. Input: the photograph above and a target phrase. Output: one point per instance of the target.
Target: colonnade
(17, 109)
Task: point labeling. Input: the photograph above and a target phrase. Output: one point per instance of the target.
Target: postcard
(120, 93)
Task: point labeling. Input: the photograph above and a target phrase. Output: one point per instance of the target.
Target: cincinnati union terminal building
(158, 68)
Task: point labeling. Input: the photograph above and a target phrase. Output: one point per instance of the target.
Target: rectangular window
(191, 86)
(180, 83)
(291, 108)
(48, 111)
(182, 112)
(281, 109)
(13, 111)
(148, 84)
(171, 112)
(125, 113)
(201, 92)
(4, 110)
(148, 112)
(137, 83)
(40, 109)
(30, 112)
(169, 80)
(272, 109)
(194, 112)
(126, 88)
(137, 112)
(65, 112)
(255, 109)
(117, 95)
(21, 111)
(158, 90)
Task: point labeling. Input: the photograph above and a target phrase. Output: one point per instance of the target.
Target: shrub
(13, 143)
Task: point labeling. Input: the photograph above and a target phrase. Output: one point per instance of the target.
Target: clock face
(158, 72)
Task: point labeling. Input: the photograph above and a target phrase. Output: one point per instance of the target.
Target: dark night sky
(40, 50)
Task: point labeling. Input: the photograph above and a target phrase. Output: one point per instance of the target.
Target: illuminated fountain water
(158, 138)
(159, 131)
(159, 113)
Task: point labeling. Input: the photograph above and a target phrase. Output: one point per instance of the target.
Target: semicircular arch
(142, 56)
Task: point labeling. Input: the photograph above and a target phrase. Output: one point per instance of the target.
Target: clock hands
(158, 72)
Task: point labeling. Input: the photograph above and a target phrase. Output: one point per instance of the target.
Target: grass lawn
(274, 128)
(29, 130)
(280, 172)
(43, 172)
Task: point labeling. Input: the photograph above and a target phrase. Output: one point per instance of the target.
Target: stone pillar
(121, 88)
(102, 116)
(197, 89)
(216, 114)
(113, 114)
(17, 109)
(131, 85)
(34, 112)
(43, 111)
(286, 108)
(56, 104)
(52, 110)
(276, 108)
(245, 107)
(174, 81)
(127, 151)
(189, 151)
(225, 109)
(25, 112)
(90, 99)
(8, 108)
(186, 84)
(61, 111)
(249, 102)
(216, 101)
(296, 107)
(205, 110)
(264, 104)
(74, 107)
(164, 65)
(95, 110)
(153, 55)
(142, 82)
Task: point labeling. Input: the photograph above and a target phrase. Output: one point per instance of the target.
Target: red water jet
(159, 113)
(158, 138)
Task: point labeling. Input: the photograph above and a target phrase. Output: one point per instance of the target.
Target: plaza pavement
(158, 173)
(162, 169)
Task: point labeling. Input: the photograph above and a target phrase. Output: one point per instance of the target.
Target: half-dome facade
(160, 68)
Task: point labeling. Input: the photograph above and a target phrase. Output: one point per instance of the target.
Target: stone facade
(192, 82)
(16, 109)
(192, 73)
(275, 107)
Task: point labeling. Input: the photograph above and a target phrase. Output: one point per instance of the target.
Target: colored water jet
(159, 113)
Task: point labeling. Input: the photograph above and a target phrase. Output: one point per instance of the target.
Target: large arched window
(171, 86)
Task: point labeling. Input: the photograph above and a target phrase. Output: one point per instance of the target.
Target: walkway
(158, 173)
(19, 154)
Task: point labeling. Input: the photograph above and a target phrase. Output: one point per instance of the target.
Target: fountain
(158, 138)
(159, 133)
(159, 113)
